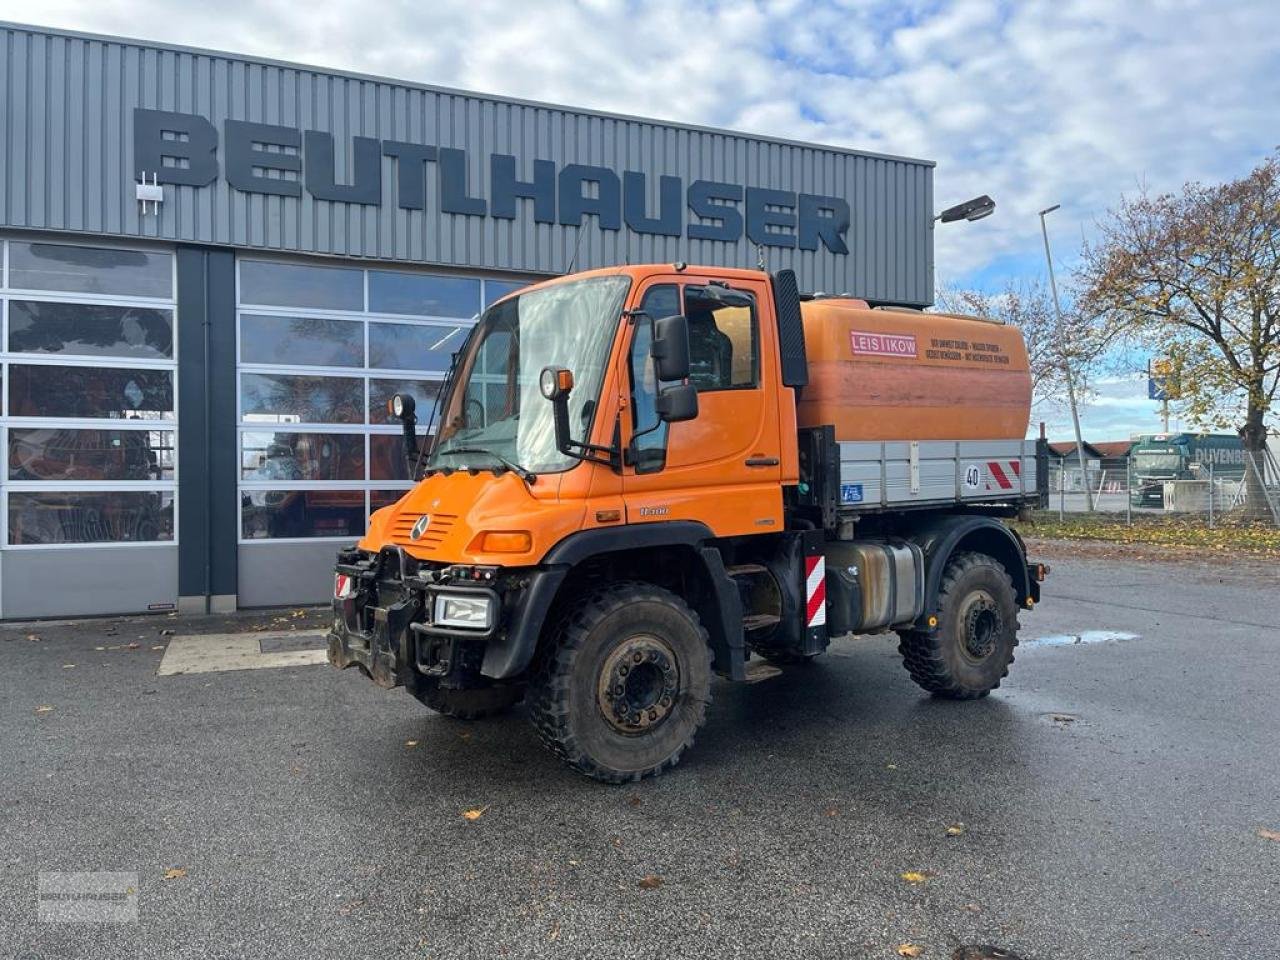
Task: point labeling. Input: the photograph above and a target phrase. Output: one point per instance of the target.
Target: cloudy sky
(1038, 102)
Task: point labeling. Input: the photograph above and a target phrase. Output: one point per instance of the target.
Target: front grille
(439, 527)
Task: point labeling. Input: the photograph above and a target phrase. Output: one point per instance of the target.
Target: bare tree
(1195, 276)
(1050, 345)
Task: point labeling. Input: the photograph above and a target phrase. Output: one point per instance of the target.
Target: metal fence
(1248, 492)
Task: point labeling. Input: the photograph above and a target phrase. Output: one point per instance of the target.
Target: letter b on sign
(175, 147)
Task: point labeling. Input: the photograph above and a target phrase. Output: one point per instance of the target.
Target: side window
(650, 447)
(724, 349)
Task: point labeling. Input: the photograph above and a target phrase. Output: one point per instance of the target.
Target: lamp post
(970, 210)
(1066, 363)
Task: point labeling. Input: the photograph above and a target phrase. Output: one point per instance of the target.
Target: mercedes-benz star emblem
(420, 527)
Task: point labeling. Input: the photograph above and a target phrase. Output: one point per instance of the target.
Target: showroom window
(88, 395)
(321, 349)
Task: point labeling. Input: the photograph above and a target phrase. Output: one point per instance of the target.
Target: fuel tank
(881, 374)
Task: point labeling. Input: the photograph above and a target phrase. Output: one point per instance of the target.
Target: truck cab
(618, 500)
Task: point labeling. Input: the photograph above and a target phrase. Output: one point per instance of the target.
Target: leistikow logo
(420, 527)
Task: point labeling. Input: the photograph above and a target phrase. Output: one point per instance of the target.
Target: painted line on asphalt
(220, 652)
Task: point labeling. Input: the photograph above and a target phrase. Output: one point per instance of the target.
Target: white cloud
(1034, 102)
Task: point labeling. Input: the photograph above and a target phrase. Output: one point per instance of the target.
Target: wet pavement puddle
(1078, 639)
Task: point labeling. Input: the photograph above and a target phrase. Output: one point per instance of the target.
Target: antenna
(577, 243)
(761, 263)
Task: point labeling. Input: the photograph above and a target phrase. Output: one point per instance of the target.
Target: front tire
(967, 655)
(623, 688)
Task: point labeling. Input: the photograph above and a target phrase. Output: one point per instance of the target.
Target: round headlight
(400, 405)
(547, 383)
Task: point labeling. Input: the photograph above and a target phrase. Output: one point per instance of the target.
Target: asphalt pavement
(1115, 798)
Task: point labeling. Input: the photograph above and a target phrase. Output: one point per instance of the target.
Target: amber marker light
(504, 541)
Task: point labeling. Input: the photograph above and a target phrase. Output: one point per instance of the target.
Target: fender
(510, 653)
(940, 537)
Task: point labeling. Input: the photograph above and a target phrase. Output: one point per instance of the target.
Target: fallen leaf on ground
(554, 932)
(158, 646)
(1266, 834)
(34, 636)
(411, 743)
(650, 881)
(914, 876)
(973, 908)
(173, 873)
(474, 814)
(909, 950)
(166, 632)
(44, 708)
(955, 830)
(68, 666)
(831, 812)
(634, 801)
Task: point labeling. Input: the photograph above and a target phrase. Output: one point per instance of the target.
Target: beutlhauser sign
(187, 149)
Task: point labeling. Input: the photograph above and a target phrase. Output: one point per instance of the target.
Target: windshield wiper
(528, 476)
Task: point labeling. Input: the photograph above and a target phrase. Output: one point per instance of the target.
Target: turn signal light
(505, 541)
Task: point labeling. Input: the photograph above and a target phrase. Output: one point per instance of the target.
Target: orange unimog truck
(645, 475)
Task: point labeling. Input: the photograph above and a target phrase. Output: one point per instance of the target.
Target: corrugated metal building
(215, 269)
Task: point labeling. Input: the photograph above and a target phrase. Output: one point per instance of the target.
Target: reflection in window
(284, 398)
(301, 285)
(648, 433)
(303, 341)
(403, 346)
(386, 456)
(495, 290)
(49, 453)
(301, 456)
(423, 393)
(100, 517)
(423, 296)
(90, 330)
(384, 498)
(74, 269)
(64, 391)
(283, 514)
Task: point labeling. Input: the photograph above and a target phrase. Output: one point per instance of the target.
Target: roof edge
(452, 91)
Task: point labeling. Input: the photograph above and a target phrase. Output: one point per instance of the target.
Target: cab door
(721, 468)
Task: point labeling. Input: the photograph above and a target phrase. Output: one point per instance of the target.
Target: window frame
(364, 373)
(755, 339)
(168, 488)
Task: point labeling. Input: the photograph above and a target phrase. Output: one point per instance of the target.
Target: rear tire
(623, 686)
(969, 652)
(472, 704)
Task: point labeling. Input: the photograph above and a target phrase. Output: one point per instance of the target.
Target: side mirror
(556, 383)
(676, 403)
(670, 348)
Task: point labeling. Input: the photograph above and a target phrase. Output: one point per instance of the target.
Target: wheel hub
(638, 684)
(982, 624)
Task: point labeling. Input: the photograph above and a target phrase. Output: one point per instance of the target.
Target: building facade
(216, 268)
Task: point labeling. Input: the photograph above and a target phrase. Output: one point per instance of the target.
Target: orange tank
(906, 375)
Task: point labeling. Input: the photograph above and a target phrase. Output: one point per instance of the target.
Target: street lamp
(970, 210)
(1066, 364)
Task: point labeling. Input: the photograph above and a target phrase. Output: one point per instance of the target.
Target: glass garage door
(320, 349)
(88, 424)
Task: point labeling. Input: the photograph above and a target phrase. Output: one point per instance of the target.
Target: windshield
(1160, 462)
(495, 406)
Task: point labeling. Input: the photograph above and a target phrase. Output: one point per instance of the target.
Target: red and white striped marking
(815, 575)
(343, 586)
(1003, 479)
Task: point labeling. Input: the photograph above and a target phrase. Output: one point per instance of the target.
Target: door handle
(762, 461)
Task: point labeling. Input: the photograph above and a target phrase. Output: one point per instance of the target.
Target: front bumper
(385, 626)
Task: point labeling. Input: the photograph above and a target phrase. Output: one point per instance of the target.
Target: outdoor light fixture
(401, 405)
(970, 210)
(555, 382)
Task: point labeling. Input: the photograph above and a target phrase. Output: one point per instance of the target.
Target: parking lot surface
(1115, 798)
